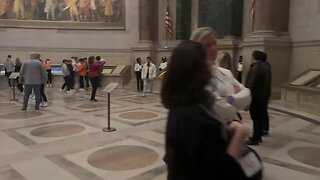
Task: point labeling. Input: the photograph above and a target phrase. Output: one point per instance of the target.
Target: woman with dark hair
(94, 73)
(17, 68)
(138, 69)
(48, 66)
(43, 99)
(66, 76)
(197, 143)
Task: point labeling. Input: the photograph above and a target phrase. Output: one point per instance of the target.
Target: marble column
(270, 34)
(148, 20)
(148, 31)
(195, 14)
(272, 16)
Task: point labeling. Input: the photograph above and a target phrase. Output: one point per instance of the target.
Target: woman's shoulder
(225, 71)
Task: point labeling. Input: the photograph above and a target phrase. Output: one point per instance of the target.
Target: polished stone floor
(65, 141)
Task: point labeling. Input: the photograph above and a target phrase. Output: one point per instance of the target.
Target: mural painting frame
(67, 25)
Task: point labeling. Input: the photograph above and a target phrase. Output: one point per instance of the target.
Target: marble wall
(305, 32)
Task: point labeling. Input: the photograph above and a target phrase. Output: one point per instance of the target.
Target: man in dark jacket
(259, 82)
(265, 125)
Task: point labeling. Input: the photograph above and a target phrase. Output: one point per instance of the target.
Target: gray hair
(199, 33)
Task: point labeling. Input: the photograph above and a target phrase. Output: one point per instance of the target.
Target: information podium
(109, 88)
(13, 78)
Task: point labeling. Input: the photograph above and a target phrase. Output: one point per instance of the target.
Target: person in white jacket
(148, 74)
(231, 96)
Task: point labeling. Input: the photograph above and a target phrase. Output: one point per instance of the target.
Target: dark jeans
(265, 124)
(100, 81)
(94, 82)
(139, 81)
(82, 82)
(76, 79)
(256, 112)
(43, 94)
(87, 81)
(28, 90)
(72, 81)
(239, 76)
(49, 76)
(19, 85)
(66, 83)
(9, 80)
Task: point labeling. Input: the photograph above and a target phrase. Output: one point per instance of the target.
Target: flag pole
(166, 46)
(166, 41)
(253, 14)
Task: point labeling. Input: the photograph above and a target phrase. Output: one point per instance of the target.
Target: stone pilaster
(270, 34)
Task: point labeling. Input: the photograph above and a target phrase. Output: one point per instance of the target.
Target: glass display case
(310, 79)
(56, 69)
(303, 92)
(108, 70)
(2, 70)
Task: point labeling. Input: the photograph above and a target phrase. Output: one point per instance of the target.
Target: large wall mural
(63, 14)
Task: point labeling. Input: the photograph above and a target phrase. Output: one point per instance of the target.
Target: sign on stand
(13, 77)
(109, 88)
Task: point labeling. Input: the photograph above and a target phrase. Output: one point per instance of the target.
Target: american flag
(253, 3)
(168, 23)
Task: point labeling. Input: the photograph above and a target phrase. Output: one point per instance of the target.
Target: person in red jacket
(82, 73)
(94, 73)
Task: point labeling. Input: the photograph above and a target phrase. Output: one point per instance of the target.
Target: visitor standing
(164, 64)
(265, 123)
(66, 76)
(8, 69)
(225, 61)
(239, 69)
(258, 81)
(32, 76)
(72, 76)
(43, 96)
(48, 66)
(231, 96)
(138, 69)
(94, 73)
(148, 74)
(98, 60)
(17, 69)
(198, 144)
(82, 73)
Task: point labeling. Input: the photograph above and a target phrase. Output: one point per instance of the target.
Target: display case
(303, 92)
(3, 79)
(2, 72)
(56, 69)
(108, 70)
(119, 74)
(111, 73)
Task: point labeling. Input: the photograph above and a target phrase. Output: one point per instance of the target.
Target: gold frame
(66, 25)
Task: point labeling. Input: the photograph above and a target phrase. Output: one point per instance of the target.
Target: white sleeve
(143, 73)
(243, 98)
(240, 67)
(154, 74)
(136, 67)
(224, 110)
